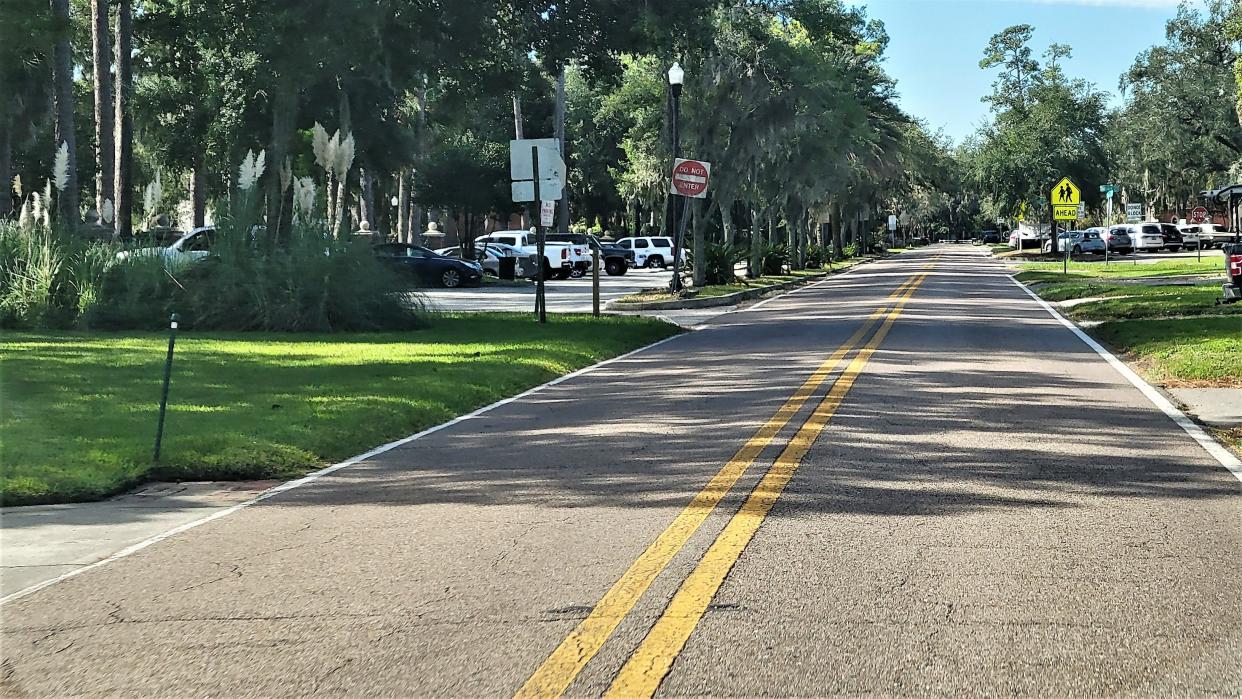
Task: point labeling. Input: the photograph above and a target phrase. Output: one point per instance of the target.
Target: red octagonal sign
(690, 177)
(1198, 215)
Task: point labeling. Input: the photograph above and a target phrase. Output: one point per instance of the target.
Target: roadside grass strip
(79, 409)
(1121, 269)
(558, 671)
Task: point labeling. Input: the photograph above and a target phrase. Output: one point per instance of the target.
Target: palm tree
(101, 50)
(62, 80)
(124, 125)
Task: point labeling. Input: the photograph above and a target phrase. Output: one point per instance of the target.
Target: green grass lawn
(1182, 351)
(1137, 301)
(78, 410)
(1051, 271)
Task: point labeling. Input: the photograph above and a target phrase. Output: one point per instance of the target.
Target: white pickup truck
(561, 260)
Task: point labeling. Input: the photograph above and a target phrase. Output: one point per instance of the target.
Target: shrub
(47, 275)
(308, 282)
(720, 261)
(775, 258)
(815, 256)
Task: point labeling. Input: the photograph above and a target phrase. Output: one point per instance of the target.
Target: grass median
(1213, 265)
(79, 410)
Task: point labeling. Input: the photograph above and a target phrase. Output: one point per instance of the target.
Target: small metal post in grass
(595, 281)
(172, 341)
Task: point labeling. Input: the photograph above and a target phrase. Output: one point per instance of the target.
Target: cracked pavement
(992, 510)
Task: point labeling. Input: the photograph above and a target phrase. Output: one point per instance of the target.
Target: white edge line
(315, 475)
(1211, 446)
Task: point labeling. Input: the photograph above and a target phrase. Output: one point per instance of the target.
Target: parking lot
(564, 296)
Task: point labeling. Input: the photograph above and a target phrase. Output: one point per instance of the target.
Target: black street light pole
(676, 76)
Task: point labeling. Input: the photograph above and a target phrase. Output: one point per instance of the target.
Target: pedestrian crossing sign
(1065, 198)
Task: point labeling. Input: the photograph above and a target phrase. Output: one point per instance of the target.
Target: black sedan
(428, 267)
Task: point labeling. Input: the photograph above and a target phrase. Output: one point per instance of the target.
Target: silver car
(1077, 243)
(488, 254)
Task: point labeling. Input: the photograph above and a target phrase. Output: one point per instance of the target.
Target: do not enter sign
(1198, 215)
(690, 178)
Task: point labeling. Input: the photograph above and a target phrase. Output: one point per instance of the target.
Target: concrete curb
(727, 299)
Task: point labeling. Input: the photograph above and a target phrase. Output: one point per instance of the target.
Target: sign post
(538, 173)
(1064, 198)
(541, 300)
(1108, 190)
(689, 179)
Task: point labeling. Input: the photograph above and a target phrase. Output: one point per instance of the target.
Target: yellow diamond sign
(1065, 198)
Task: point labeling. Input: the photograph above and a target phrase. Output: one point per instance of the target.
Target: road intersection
(906, 479)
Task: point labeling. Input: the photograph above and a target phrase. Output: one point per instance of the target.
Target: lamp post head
(676, 76)
(395, 201)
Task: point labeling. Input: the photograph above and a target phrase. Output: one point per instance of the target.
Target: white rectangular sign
(551, 169)
(1134, 213)
(525, 191)
(547, 212)
(892, 222)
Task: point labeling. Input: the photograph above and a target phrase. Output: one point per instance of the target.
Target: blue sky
(936, 46)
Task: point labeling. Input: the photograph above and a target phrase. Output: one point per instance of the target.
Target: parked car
(190, 247)
(1211, 235)
(1020, 240)
(561, 260)
(1115, 239)
(650, 251)
(488, 255)
(1172, 237)
(991, 238)
(428, 267)
(616, 259)
(1193, 238)
(1146, 237)
(1077, 243)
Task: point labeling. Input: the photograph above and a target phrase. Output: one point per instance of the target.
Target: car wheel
(615, 267)
(451, 279)
(577, 273)
(655, 261)
(1077, 250)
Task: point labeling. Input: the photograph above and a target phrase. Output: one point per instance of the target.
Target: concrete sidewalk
(1215, 407)
(41, 542)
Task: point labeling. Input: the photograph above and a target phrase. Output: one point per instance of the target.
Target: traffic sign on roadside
(1134, 213)
(690, 178)
(1198, 215)
(547, 212)
(892, 222)
(521, 169)
(1065, 198)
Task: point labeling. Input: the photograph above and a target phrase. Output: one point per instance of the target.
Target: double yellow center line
(646, 668)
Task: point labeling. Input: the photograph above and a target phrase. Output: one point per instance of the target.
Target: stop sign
(1198, 215)
(690, 178)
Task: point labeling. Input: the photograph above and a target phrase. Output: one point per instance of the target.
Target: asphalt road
(564, 295)
(909, 479)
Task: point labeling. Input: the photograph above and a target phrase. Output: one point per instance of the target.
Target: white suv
(650, 251)
(1146, 236)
